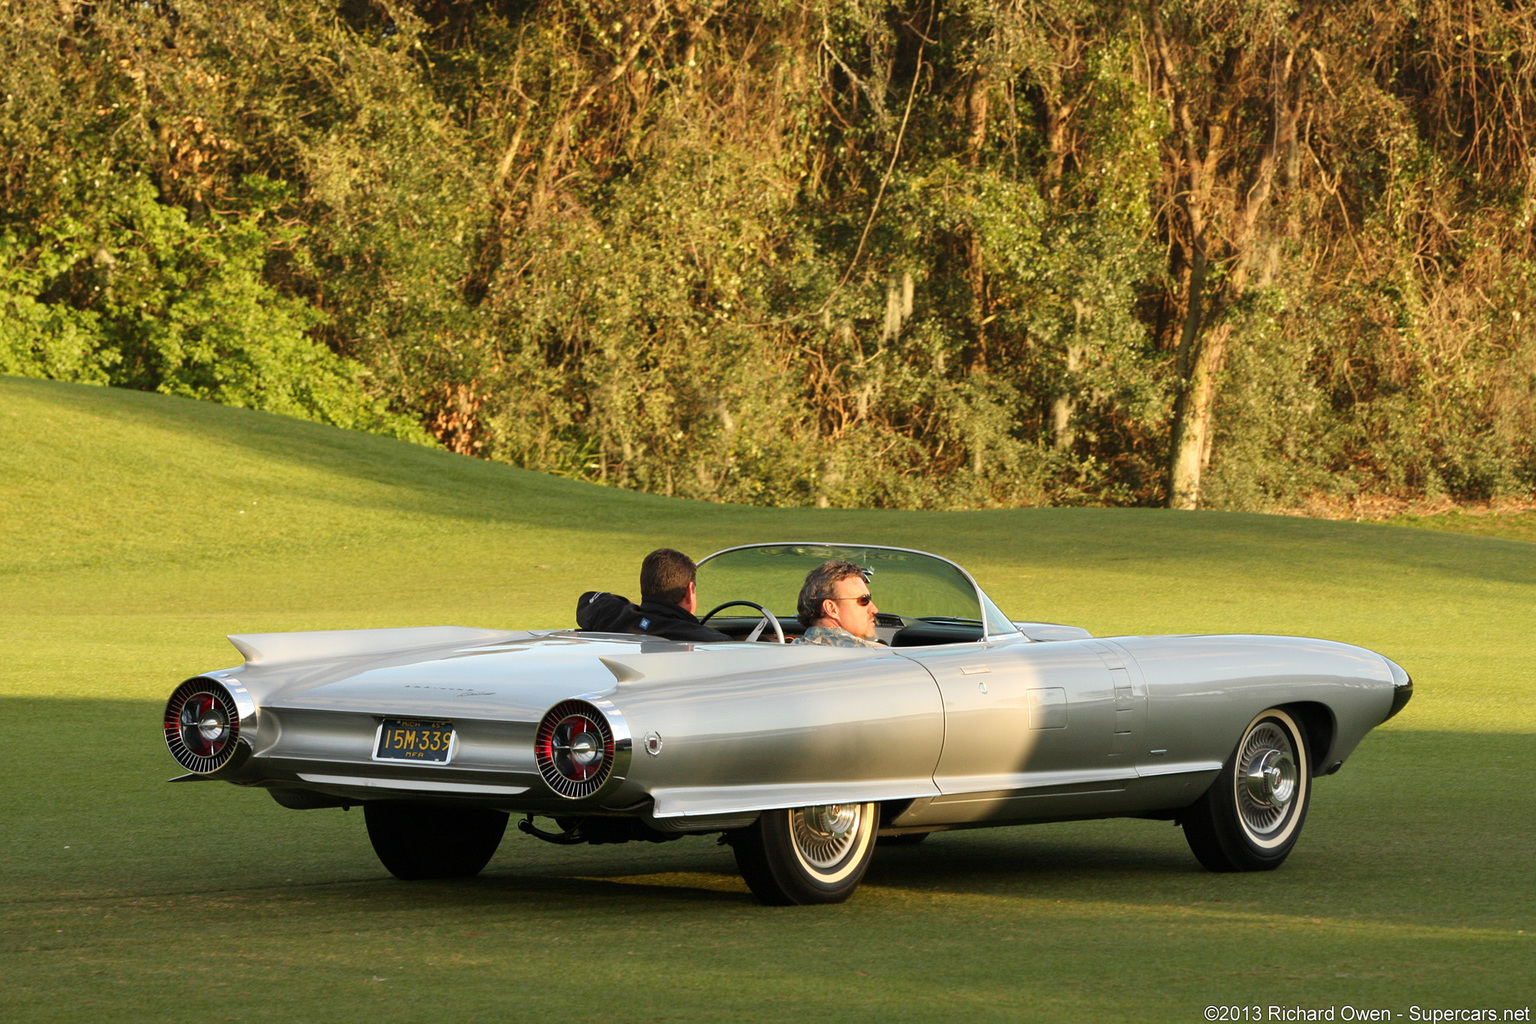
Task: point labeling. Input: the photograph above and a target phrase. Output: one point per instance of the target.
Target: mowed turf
(138, 530)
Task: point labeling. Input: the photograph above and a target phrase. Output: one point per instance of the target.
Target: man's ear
(830, 613)
(691, 602)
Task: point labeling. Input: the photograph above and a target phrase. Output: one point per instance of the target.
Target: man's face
(848, 612)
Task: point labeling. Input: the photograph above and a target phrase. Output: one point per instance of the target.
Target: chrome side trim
(729, 801)
(1023, 782)
(1149, 771)
(414, 785)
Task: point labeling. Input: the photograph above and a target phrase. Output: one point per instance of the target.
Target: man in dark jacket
(668, 599)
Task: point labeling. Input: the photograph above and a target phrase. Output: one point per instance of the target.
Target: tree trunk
(1192, 421)
(1220, 201)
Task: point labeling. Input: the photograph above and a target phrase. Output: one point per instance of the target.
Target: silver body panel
(1002, 729)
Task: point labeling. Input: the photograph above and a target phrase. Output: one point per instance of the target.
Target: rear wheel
(417, 841)
(1250, 817)
(807, 854)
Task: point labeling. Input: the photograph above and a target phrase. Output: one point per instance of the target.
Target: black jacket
(602, 612)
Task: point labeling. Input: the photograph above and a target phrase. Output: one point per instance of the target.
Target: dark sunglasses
(863, 599)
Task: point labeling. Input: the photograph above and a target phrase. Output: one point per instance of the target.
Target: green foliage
(831, 253)
(1279, 439)
(119, 288)
(39, 339)
(636, 340)
(104, 279)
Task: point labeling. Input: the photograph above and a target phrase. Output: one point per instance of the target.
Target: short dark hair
(820, 583)
(665, 575)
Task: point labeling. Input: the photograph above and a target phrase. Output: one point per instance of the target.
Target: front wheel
(807, 854)
(1250, 817)
(417, 841)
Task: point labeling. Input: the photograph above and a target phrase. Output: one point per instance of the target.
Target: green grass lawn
(138, 530)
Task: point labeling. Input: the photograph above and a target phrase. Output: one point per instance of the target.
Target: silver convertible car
(803, 756)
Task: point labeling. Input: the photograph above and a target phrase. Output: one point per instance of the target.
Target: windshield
(910, 584)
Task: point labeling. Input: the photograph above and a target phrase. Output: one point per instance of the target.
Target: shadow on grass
(516, 890)
(1419, 825)
(971, 860)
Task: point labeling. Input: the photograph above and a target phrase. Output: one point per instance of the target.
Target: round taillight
(203, 720)
(577, 747)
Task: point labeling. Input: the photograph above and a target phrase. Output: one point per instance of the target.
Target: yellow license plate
(414, 739)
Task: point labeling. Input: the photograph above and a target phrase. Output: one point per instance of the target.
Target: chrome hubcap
(1272, 779)
(825, 834)
(1268, 782)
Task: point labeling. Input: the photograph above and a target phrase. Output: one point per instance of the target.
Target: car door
(1032, 730)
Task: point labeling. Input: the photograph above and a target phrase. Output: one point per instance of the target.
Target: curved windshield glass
(910, 584)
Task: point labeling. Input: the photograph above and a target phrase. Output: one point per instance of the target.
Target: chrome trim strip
(722, 801)
(414, 785)
(1148, 771)
(1023, 782)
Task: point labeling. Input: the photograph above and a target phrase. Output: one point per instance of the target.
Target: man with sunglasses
(836, 607)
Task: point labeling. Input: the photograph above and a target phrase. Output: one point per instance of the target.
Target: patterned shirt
(835, 636)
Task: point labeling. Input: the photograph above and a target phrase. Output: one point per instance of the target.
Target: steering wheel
(768, 617)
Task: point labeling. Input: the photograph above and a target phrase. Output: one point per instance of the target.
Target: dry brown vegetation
(1224, 253)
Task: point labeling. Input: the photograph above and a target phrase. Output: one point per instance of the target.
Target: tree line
(940, 254)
